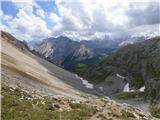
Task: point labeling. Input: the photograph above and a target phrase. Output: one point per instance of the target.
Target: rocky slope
(22, 68)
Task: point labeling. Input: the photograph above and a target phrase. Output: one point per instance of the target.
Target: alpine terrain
(131, 69)
(66, 53)
(80, 59)
(33, 88)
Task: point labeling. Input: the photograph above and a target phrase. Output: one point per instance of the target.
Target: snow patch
(101, 88)
(118, 75)
(85, 82)
(76, 75)
(142, 89)
(126, 88)
(127, 42)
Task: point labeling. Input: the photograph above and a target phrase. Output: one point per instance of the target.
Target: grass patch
(138, 81)
(80, 68)
(15, 108)
(129, 95)
(155, 110)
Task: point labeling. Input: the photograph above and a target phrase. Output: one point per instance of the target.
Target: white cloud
(34, 27)
(25, 3)
(146, 30)
(5, 17)
(41, 13)
(86, 18)
(26, 25)
(1, 13)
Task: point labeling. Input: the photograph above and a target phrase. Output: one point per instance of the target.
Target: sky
(80, 19)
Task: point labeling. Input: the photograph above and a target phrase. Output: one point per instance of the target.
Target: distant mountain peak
(63, 37)
(62, 50)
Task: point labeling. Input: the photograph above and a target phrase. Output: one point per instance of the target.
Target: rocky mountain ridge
(135, 64)
(78, 56)
(67, 53)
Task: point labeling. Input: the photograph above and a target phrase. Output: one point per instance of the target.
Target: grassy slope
(15, 108)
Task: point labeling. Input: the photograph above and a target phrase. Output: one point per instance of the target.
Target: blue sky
(9, 8)
(80, 19)
(48, 6)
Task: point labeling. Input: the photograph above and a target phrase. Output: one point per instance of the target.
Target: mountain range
(109, 64)
(71, 55)
(78, 56)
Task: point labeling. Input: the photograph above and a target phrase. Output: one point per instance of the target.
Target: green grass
(124, 117)
(155, 110)
(15, 109)
(81, 67)
(129, 95)
(138, 81)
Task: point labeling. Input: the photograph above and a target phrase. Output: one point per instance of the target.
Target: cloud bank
(83, 19)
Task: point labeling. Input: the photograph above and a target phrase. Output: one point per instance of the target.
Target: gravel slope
(23, 69)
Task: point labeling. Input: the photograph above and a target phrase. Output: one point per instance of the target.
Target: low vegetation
(129, 95)
(18, 105)
(81, 68)
(155, 110)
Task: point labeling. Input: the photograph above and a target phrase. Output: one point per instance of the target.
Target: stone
(2, 97)
(109, 104)
(130, 114)
(116, 111)
(51, 107)
(57, 106)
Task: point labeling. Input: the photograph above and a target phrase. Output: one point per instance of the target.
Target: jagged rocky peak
(61, 48)
(83, 53)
